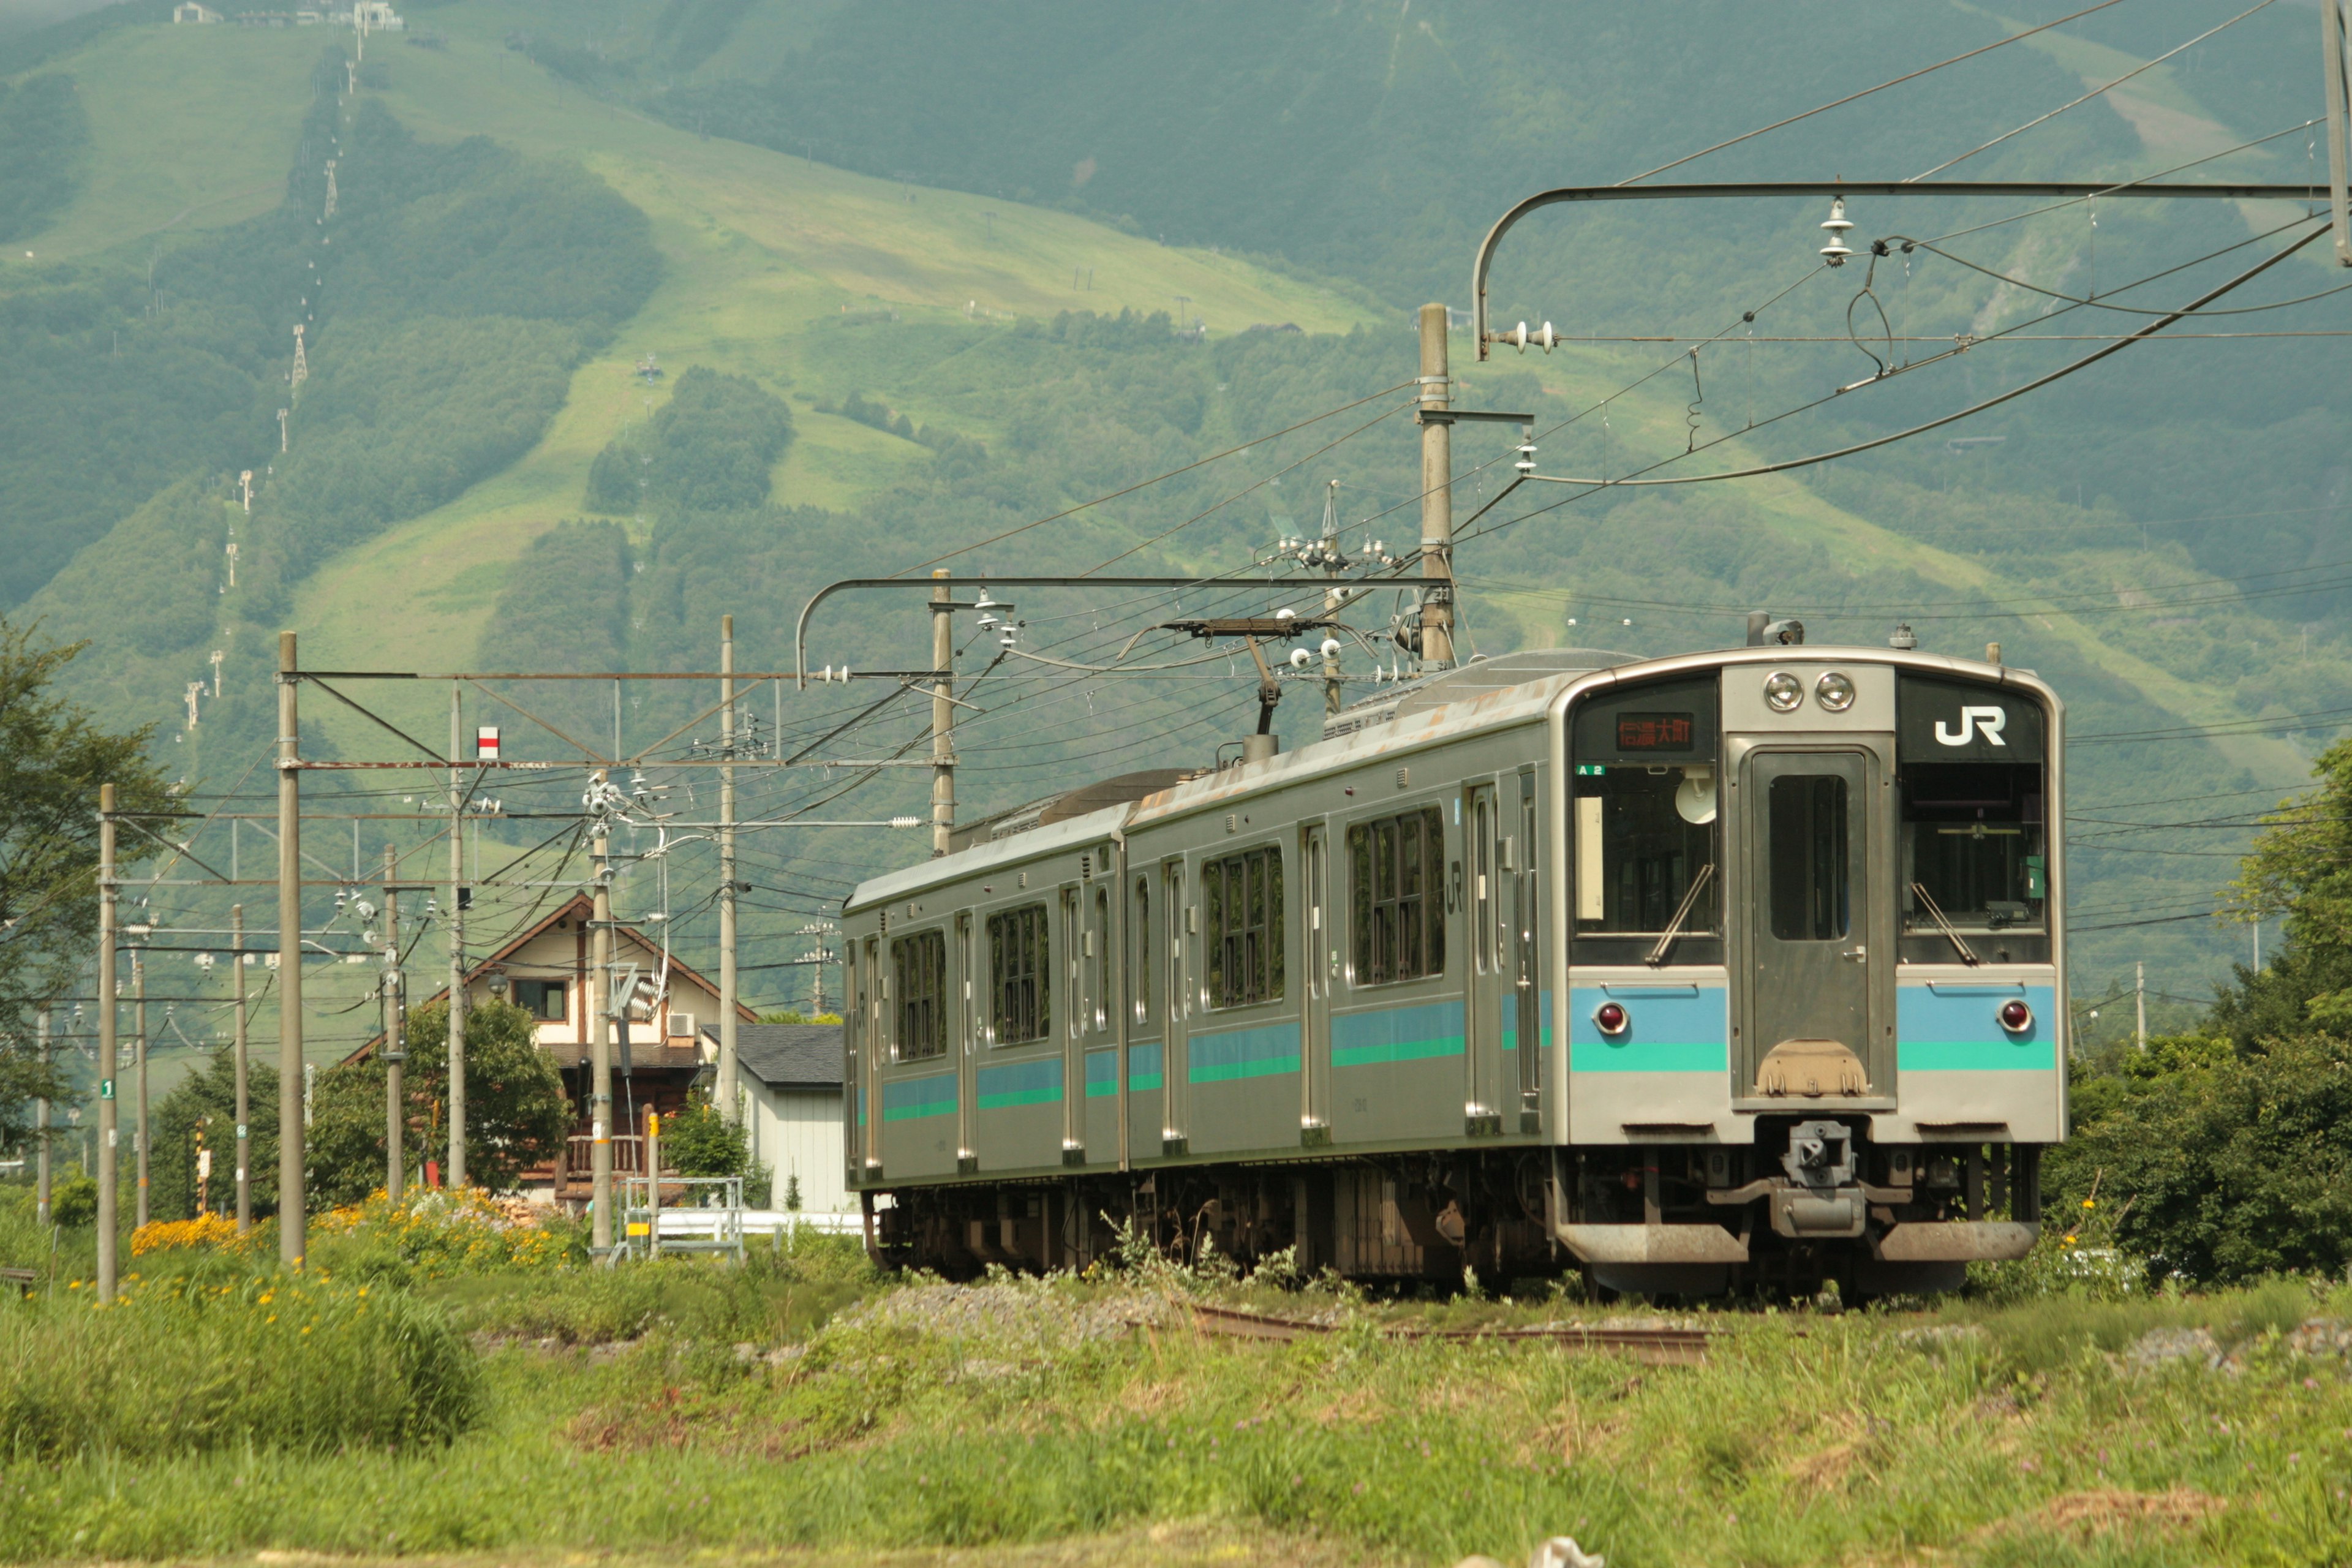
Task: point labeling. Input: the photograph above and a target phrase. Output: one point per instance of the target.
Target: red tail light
(2016, 1017)
(1610, 1018)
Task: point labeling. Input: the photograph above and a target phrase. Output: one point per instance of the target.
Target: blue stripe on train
(1397, 1035)
(1955, 1028)
(1037, 1082)
(1685, 1030)
(1242, 1053)
(912, 1098)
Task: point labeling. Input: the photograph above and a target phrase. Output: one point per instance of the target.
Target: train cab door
(964, 1042)
(1074, 947)
(1527, 1010)
(1812, 916)
(1321, 953)
(1483, 1036)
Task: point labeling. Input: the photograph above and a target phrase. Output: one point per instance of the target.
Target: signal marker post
(109, 1118)
(293, 1222)
(244, 1118)
(600, 1103)
(729, 1090)
(395, 1048)
(456, 918)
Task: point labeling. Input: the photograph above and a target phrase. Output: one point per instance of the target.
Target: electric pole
(109, 1119)
(457, 1174)
(727, 1092)
(139, 1058)
(244, 1123)
(1436, 495)
(292, 1219)
(600, 1148)
(395, 1046)
(41, 1124)
(942, 717)
(2139, 1004)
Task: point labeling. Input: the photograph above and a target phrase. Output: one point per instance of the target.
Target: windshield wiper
(1967, 954)
(1675, 928)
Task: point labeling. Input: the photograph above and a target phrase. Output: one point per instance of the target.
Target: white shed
(791, 1077)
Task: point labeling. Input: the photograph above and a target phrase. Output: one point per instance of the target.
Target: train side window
(1972, 840)
(919, 965)
(1019, 974)
(1397, 913)
(1806, 845)
(1242, 894)
(1644, 834)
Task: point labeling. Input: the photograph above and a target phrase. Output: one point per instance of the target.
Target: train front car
(1809, 906)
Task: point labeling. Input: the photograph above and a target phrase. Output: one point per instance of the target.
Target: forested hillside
(891, 323)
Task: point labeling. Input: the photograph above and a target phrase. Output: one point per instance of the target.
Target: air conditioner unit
(681, 1025)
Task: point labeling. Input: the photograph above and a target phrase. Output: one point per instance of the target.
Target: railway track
(1657, 1344)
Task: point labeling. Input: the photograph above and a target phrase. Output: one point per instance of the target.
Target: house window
(919, 966)
(1243, 895)
(1019, 971)
(1399, 912)
(542, 999)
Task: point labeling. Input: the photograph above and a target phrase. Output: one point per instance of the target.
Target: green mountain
(633, 314)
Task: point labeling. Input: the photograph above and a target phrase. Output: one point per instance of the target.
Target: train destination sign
(1657, 731)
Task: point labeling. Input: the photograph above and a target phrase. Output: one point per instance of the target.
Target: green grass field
(806, 1410)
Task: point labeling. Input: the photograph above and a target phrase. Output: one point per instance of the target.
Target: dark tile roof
(788, 1055)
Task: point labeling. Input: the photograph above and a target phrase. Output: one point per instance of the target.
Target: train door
(964, 1044)
(1181, 922)
(1526, 992)
(1811, 906)
(1146, 991)
(1482, 1056)
(1320, 952)
(869, 1029)
(1074, 1025)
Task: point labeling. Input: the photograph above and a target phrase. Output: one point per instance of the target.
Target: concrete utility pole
(456, 1167)
(942, 717)
(108, 1117)
(41, 1125)
(1436, 495)
(729, 1106)
(293, 1223)
(138, 1057)
(2139, 1004)
(395, 1048)
(600, 1111)
(243, 1119)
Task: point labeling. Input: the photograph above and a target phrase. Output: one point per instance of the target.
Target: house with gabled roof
(545, 969)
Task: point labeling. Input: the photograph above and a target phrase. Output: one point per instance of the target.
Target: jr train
(1740, 970)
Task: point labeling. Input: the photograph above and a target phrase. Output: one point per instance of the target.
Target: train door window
(1972, 846)
(1019, 971)
(1397, 914)
(1099, 937)
(1806, 845)
(1140, 970)
(1644, 835)
(919, 966)
(1242, 894)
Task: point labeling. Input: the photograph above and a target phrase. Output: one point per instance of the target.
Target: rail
(1656, 1343)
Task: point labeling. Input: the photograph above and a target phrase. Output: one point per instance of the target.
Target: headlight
(1834, 692)
(1782, 692)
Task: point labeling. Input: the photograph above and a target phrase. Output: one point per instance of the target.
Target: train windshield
(1972, 846)
(1645, 837)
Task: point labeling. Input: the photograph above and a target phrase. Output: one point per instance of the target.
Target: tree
(516, 1113)
(2301, 872)
(699, 1142)
(204, 1105)
(53, 757)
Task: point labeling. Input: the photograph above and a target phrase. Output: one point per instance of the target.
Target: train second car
(1738, 970)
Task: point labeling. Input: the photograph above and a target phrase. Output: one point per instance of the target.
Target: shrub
(433, 1233)
(310, 1365)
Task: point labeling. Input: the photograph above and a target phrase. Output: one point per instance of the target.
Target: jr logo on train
(1732, 971)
